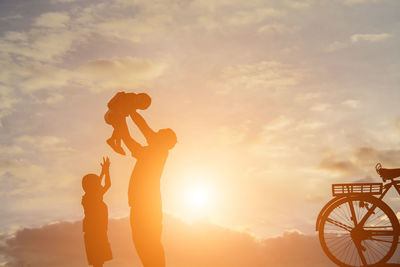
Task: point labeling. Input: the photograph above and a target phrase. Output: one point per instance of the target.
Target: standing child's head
(91, 183)
(143, 101)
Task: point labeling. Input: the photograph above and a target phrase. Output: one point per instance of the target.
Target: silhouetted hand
(105, 166)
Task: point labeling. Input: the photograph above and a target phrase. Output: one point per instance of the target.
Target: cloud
(229, 135)
(298, 4)
(335, 46)
(5, 18)
(275, 28)
(317, 198)
(263, 75)
(7, 102)
(39, 76)
(98, 75)
(369, 156)
(39, 44)
(351, 103)
(372, 38)
(199, 244)
(310, 124)
(127, 72)
(10, 183)
(52, 99)
(28, 188)
(333, 164)
(20, 178)
(278, 124)
(248, 18)
(45, 144)
(62, 1)
(139, 29)
(253, 16)
(356, 2)
(15, 36)
(152, 22)
(320, 107)
(358, 38)
(11, 150)
(361, 161)
(53, 20)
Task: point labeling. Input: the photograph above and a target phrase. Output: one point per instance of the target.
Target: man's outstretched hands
(105, 166)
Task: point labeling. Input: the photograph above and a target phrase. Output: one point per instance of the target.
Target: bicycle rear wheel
(347, 243)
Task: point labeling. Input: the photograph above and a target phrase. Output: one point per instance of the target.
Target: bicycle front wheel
(359, 231)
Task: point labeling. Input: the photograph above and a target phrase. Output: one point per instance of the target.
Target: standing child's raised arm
(105, 170)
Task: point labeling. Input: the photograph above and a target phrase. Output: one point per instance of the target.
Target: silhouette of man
(144, 189)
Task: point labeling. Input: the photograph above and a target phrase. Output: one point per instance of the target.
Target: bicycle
(356, 227)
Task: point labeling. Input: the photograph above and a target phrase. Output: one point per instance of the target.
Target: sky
(272, 102)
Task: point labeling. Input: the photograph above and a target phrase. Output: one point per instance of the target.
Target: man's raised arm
(143, 126)
(132, 145)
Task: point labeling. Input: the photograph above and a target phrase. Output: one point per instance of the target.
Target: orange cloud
(126, 72)
(200, 244)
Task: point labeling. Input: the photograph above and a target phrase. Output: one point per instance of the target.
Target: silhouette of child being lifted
(120, 106)
(95, 222)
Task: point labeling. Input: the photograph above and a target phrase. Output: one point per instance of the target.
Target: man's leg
(159, 251)
(146, 234)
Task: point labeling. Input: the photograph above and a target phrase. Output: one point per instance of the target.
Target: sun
(198, 196)
(198, 200)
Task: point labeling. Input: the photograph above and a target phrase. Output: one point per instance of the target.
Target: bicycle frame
(387, 187)
(395, 184)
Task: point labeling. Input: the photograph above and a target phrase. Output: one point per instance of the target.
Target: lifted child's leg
(125, 136)
(114, 119)
(115, 141)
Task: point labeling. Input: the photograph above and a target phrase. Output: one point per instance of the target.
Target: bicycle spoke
(339, 224)
(380, 233)
(353, 213)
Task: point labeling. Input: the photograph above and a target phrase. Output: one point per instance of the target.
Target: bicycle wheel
(347, 242)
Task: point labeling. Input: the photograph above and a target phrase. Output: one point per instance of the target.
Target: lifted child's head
(91, 183)
(143, 101)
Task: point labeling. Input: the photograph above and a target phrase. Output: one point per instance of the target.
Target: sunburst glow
(198, 196)
(198, 199)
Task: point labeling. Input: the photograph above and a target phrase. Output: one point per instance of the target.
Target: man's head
(143, 101)
(166, 138)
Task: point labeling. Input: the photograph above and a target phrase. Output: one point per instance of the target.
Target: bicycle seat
(387, 174)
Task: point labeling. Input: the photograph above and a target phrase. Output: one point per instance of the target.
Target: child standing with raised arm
(95, 222)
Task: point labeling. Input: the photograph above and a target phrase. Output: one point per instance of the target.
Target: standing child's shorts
(98, 247)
